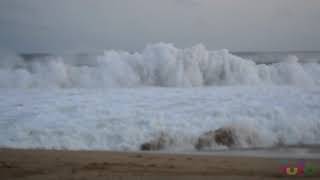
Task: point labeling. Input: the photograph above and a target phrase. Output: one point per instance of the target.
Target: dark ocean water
(272, 57)
(258, 57)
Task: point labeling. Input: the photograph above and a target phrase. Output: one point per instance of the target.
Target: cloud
(189, 2)
(37, 25)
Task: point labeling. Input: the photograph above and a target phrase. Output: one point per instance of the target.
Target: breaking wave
(157, 65)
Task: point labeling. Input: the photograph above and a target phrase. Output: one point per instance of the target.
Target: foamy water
(119, 100)
(157, 65)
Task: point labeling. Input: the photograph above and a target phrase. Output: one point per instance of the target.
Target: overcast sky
(94, 25)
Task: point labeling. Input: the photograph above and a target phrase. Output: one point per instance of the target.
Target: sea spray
(157, 65)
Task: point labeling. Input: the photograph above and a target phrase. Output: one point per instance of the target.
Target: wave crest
(157, 65)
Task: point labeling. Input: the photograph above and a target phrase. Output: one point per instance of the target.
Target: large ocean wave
(157, 65)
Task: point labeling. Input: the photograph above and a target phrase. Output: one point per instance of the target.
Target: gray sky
(90, 25)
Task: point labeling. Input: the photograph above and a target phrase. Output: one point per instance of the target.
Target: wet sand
(81, 165)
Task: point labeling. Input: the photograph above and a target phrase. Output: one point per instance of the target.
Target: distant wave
(157, 65)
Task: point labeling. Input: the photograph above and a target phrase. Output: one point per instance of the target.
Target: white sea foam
(66, 102)
(123, 119)
(157, 65)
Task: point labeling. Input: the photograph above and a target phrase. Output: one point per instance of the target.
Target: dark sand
(81, 165)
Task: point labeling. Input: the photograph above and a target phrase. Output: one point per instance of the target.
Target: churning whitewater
(157, 65)
(121, 100)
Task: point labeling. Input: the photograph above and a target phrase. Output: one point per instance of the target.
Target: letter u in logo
(292, 171)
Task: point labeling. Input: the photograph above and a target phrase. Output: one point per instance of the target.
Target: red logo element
(299, 169)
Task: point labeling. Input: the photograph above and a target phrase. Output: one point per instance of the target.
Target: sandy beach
(51, 164)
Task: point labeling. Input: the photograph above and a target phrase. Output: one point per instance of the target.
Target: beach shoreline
(63, 164)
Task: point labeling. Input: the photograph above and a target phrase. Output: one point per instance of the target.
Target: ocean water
(118, 100)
